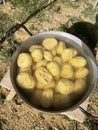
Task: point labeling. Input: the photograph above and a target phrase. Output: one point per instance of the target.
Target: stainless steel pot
(70, 40)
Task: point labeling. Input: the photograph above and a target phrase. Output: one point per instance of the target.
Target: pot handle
(12, 30)
(90, 116)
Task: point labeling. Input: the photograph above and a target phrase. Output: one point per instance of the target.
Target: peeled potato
(40, 85)
(33, 47)
(66, 71)
(28, 70)
(59, 74)
(57, 77)
(50, 86)
(41, 63)
(43, 76)
(25, 81)
(50, 43)
(48, 55)
(37, 55)
(75, 52)
(24, 60)
(64, 86)
(79, 86)
(78, 61)
(36, 97)
(81, 72)
(67, 54)
(53, 68)
(61, 47)
(58, 60)
(33, 67)
(46, 99)
(54, 52)
(61, 101)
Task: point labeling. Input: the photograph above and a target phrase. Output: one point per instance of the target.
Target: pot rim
(63, 34)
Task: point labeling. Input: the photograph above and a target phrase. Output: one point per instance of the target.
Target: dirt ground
(15, 114)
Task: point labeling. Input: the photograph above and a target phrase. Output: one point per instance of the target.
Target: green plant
(1, 125)
(88, 13)
(70, 4)
(2, 98)
(62, 27)
(6, 55)
(91, 125)
(75, 19)
(5, 23)
(27, 7)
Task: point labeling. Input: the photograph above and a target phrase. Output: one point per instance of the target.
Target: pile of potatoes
(52, 72)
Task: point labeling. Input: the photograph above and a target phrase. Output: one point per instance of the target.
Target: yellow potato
(75, 52)
(48, 55)
(25, 81)
(40, 85)
(58, 60)
(53, 68)
(37, 55)
(35, 98)
(81, 72)
(50, 86)
(28, 70)
(79, 86)
(67, 71)
(61, 101)
(33, 67)
(67, 54)
(43, 76)
(46, 99)
(50, 43)
(57, 77)
(64, 86)
(59, 74)
(61, 47)
(24, 60)
(54, 52)
(41, 63)
(78, 61)
(33, 47)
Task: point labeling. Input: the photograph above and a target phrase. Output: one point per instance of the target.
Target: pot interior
(71, 41)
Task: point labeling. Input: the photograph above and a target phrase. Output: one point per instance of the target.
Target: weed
(62, 27)
(27, 7)
(91, 125)
(70, 4)
(1, 125)
(88, 13)
(66, 118)
(6, 55)
(5, 23)
(75, 19)
(2, 98)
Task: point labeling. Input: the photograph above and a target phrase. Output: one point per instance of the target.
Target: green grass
(75, 19)
(6, 54)
(62, 27)
(88, 13)
(27, 7)
(91, 125)
(5, 23)
(70, 4)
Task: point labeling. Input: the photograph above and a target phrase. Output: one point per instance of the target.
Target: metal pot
(70, 40)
